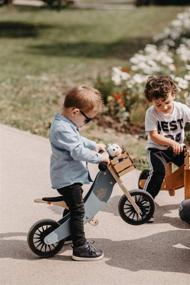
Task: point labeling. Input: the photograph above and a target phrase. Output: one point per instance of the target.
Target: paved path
(149, 254)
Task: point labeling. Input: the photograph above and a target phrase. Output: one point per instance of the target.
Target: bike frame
(176, 179)
(97, 197)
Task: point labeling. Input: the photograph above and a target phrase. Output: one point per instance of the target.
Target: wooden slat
(123, 165)
(187, 160)
(176, 179)
(126, 170)
(59, 203)
(187, 184)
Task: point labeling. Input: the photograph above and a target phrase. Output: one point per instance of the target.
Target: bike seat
(53, 199)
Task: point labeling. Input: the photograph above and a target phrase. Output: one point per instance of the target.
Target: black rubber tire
(144, 175)
(36, 236)
(184, 211)
(145, 202)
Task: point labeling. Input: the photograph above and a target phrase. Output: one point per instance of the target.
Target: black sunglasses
(87, 119)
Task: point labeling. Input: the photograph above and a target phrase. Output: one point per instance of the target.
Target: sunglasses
(87, 119)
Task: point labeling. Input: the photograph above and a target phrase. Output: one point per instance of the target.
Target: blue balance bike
(46, 237)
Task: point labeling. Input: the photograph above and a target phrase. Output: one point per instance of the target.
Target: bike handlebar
(102, 166)
(182, 145)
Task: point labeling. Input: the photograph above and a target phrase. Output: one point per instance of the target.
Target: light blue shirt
(70, 154)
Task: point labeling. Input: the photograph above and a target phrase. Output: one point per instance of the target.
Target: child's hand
(105, 157)
(100, 146)
(177, 148)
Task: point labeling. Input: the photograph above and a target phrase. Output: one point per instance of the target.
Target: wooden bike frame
(176, 179)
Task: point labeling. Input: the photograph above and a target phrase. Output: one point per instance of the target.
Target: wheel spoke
(129, 211)
(144, 202)
(39, 230)
(127, 204)
(38, 240)
(130, 214)
(39, 244)
(127, 208)
(138, 198)
(134, 213)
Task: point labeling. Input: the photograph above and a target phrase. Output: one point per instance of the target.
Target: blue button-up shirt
(70, 152)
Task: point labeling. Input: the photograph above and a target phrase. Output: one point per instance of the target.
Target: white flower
(183, 53)
(139, 78)
(187, 100)
(187, 77)
(118, 75)
(172, 67)
(182, 83)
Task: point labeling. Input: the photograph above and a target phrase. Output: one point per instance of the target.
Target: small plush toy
(114, 150)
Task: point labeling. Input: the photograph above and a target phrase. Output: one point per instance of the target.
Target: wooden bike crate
(122, 164)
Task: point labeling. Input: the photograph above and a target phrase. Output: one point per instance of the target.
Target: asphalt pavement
(157, 253)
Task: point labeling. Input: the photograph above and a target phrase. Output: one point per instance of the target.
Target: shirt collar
(63, 118)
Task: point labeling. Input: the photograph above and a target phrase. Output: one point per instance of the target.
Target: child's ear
(75, 111)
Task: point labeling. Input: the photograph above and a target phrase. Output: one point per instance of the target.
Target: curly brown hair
(159, 87)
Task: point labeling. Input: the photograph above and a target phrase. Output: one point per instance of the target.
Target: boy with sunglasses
(70, 154)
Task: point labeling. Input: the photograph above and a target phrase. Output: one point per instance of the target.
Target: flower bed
(169, 53)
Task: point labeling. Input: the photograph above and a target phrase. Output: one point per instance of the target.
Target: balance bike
(174, 179)
(46, 237)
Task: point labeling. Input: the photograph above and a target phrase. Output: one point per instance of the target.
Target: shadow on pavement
(14, 248)
(166, 251)
(161, 213)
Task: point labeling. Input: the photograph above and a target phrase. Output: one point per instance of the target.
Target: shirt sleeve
(88, 143)
(150, 121)
(186, 110)
(72, 142)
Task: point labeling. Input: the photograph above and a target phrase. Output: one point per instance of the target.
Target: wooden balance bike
(46, 237)
(174, 179)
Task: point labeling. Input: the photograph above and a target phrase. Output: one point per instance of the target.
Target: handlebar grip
(183, 145)
(102, 166)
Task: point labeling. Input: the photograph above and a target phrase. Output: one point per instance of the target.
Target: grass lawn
(43, 53)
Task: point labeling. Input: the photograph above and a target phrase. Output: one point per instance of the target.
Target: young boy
(164, 122)
(70, 154)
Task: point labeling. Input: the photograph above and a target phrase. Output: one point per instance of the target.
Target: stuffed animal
(114, 150)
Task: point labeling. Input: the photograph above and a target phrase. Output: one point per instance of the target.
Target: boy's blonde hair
(84, 98)
(158, 87)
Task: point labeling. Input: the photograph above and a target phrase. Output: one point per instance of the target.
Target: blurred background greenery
(44, 52)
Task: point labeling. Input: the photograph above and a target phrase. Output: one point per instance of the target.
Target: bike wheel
(145, 202)
(143, 176)
(36, 236)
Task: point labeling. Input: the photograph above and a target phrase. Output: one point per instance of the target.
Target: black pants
(158, 160)
(73, 197)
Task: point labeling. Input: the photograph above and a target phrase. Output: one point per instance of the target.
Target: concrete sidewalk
(157, 253)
